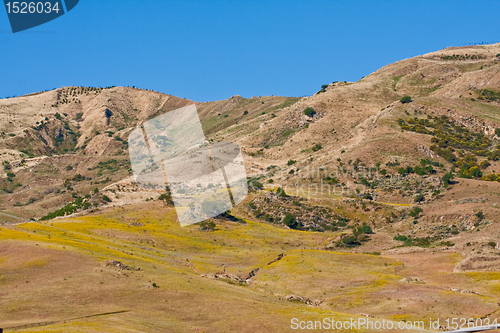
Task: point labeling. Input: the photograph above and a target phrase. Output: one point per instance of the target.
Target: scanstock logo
(28, 14)
(204, 178)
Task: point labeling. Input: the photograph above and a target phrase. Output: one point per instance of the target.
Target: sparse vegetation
(309, 112)
(317, 147)
(406, 99)
(290, 221)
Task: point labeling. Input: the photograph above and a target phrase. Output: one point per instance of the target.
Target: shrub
(484, 164)
(419, 198)
(105, 198)
(350, 241)
(480, 215)
(290, 221)
(281, 192)
(78, 116)
(290, 162)
(257, 185)
(400, 238)
(166, 197)
(316, 147)
(415, 212)
(497, 131)
(245, 112)
(405, 99)
(447, 179)
(309, 112)
(364, 229)
(10, 174)
(207, 226)
(492, 244)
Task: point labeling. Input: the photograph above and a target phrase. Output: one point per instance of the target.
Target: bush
(419, 198)
(281, 192)
(257, 185)
(166, 197)
(361, 230)
(484, 164)
(447, 179)
(480, 215)
(290, 162)
(405, 99)
(78, 116)
(245, 113)
(316, 147)
(309, 112)
(492, 244)
(290, 221)
(400, 238)
(415, 212)
(497, 131)
(207, 226)
(350, 241)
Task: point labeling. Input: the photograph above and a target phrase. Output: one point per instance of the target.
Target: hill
(385, 186)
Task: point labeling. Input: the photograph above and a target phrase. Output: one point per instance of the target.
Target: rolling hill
(369, 199)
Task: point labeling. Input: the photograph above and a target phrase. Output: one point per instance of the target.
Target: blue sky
(211, 50)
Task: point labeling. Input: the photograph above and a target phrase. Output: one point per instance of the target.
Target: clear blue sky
(211, 50)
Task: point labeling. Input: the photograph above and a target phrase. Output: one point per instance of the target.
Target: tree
(363, 229)
(257, 185)
(166, 197)
(281, 192)
(497, 132)
(447, 179)
(405, 99)
(309, 112)
(290, 221)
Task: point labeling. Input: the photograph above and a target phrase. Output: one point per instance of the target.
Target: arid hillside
(374, 199)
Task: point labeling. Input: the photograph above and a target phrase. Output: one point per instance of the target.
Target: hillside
(385, 186)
